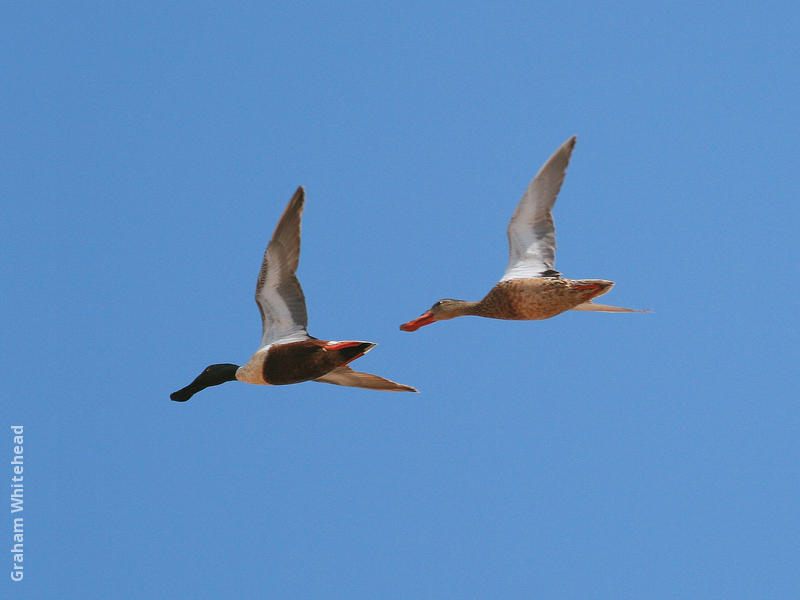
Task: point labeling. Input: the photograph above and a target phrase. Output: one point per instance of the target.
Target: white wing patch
(531, 232)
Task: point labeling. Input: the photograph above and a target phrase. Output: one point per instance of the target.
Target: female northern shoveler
(287, 353)
(530, 288)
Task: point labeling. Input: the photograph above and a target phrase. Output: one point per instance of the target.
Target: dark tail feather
(355, 351)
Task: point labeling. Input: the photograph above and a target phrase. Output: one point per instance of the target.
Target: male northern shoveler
(530, 288)
(287, 353)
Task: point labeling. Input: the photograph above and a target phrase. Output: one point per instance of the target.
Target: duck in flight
(288, 354)
(530, 288)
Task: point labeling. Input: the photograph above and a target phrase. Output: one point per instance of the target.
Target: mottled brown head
(446, 308)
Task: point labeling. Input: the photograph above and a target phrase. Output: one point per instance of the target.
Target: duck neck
(460, 308)
(211, 375)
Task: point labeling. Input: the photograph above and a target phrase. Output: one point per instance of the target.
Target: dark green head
(211, 375)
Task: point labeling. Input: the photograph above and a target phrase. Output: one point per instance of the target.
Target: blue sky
(149, 150)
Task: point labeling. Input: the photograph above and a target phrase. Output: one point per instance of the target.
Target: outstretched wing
(347, 376)
(278, 293)
(531, 233)
(591, 306)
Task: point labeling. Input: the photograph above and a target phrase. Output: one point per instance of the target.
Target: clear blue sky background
(148, 151)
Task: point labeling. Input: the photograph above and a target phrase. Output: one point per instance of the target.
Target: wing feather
(346, 376)
(531, 232)
(591, 306)
(279, 296)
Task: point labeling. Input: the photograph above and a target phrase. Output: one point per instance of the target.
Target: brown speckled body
(294, 362)
(531, 288)
(538, 297)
